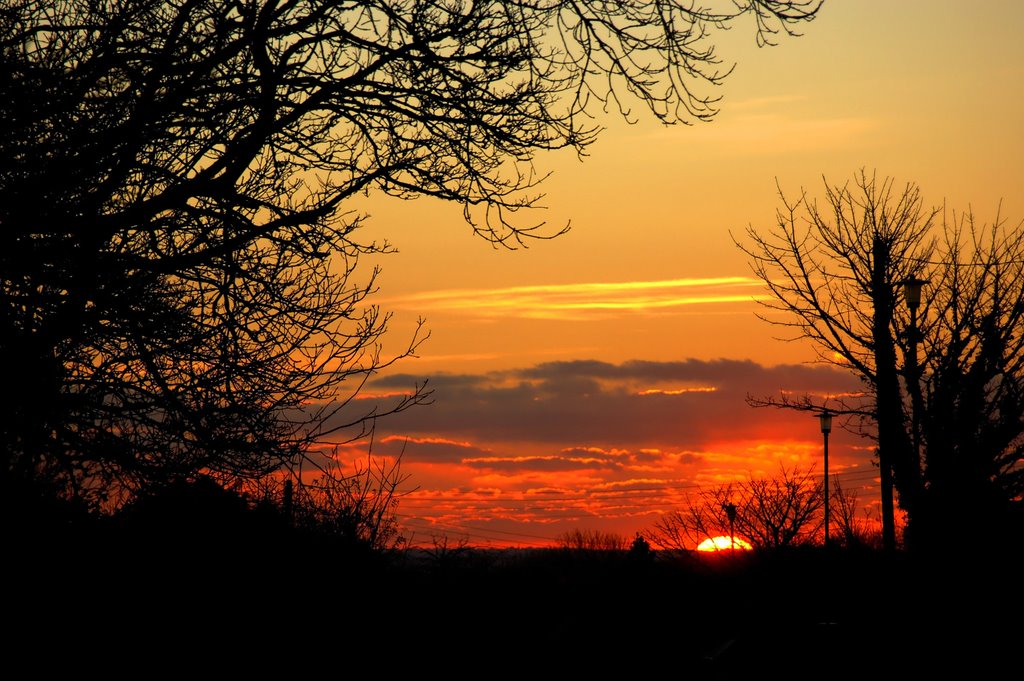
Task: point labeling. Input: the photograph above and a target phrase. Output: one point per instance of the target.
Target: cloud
(542, 463)
(585, 300)
(775, 125)
(777, 134)
(433, 449)
(521, 455)
(766, 102)
(664, 406)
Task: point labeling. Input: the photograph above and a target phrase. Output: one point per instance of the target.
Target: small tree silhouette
(592, 540)
(769, 513)
(640, 550)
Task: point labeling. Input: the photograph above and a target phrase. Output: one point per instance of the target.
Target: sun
(724, 543)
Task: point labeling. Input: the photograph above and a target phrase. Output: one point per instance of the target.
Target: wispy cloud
(767, 102)
(760, 134)
(677, 391)
(584, 300)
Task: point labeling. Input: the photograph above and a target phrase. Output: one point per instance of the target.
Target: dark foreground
(220, 610)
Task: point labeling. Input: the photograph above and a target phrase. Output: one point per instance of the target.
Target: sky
(599, 380)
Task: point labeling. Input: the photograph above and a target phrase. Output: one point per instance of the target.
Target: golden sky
(594, 380)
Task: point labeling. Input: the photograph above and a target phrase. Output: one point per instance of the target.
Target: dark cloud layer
(584, 403)
(543, 463)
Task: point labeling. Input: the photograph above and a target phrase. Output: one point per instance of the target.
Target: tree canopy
(944, 378)
(178, 259)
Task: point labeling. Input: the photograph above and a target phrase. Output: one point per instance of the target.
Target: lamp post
(825, 420)
(730, 512)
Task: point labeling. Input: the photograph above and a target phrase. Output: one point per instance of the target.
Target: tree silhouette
(855, 529)
(178, 261)
(640, 550)
(948, 424)
(586, 540)
(356, 510)
(770, 513)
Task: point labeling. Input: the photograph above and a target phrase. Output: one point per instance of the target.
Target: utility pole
(825, 418)
(887, 388)
(912, 294)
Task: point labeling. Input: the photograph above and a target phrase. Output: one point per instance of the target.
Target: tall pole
(886, 384)
(915, 387)
(730, 512)
(826, 427)
(912, 293)
(912, 289)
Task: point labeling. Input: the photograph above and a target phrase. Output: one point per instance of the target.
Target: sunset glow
(600, 379)
(724, 543)
(364, 334)
(562, 301)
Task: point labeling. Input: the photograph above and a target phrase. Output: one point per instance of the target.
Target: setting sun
(724, 543)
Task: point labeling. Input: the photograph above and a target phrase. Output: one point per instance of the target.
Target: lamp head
(912, 291)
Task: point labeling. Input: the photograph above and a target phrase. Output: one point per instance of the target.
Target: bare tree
(856, 527)
(358, 507)
(769, 513)
(969, 386)
(701, 518)
(782, 510)
(948, 423)
(834, 275)
(445, 552)
(178, 262)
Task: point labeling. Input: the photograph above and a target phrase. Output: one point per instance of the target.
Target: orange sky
(595, 380)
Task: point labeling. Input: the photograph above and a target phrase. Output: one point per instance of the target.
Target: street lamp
(912, 292)
(730, 512)
(825, 418)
